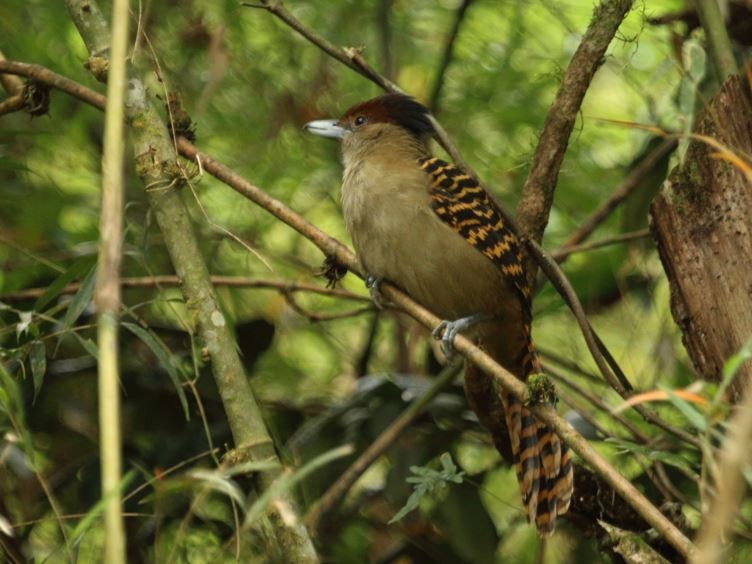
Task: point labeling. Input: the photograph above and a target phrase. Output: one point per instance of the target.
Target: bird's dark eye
(360, 120)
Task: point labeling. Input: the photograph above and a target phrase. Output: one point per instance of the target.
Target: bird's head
(375, 120)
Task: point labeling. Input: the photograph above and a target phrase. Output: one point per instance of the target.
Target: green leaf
(217, 482)
(89, 345)
(80, 300)
(285, 482)
(165, 358)
(38, 361)
(412, 503)
(695, 417)
(75, 272)
(731, 367)
(87, 520)
(694, 60)
(426, 479)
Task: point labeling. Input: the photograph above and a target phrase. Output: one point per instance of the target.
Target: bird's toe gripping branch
(541, 389)
(373, 284)
(448, 330)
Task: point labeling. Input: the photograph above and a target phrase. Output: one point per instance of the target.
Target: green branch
(718, 38)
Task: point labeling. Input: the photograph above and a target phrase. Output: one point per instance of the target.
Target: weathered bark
(701, 223)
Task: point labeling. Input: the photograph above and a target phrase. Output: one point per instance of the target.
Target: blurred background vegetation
(250, 84)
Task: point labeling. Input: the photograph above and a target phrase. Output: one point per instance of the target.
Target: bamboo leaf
(165, 359)
(80, 300)
(38, 362)
(75, 272)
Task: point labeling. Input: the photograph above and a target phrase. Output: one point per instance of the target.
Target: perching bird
(426, 226)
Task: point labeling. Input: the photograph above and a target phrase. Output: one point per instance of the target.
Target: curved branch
(331, 247)
(538, 192)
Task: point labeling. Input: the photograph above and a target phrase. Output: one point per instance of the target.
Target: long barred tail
(544, 469)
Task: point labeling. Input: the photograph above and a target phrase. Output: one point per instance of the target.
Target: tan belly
(408, 244)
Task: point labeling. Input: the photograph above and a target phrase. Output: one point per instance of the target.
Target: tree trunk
(701, 223)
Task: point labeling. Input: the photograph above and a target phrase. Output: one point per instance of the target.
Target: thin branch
(446, 57)
(538, 192)
(332, 248)
(388, 436)
(718, 38)
(625, 189)
(596, 401)
(107, 289)
(564, 252)
(384, 27)
(314, 316)
(604, 361)
(228, 281)
(11, 83)
(587, 58)
(14, 103)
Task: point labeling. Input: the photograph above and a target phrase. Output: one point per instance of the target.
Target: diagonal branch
(538, 192)
(568, 100)
(333, 248)
(622, 192)
(446, 57)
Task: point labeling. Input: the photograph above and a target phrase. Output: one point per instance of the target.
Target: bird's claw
(373, 284)
(448, 330)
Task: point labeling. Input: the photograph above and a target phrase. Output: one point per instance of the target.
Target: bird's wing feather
(544, 470)
(463, 204)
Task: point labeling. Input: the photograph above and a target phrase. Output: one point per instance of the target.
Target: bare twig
(331, 247)
(547, 161)
(314, 316)
(387, 437)
(383, 11)
(628, 185)
(11, 83)
(564, 252)
(228, 281)
(446, 57)
(537, 194)
(12, 104)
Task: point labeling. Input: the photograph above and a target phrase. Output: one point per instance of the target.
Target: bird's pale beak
(326, 128)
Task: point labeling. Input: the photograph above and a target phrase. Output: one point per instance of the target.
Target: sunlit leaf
(22, 326)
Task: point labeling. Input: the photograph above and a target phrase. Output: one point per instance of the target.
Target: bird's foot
(448, 330)
(373, 284)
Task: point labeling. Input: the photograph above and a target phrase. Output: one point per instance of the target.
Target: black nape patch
(408, 113)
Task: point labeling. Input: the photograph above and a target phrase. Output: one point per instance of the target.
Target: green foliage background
(250, 84)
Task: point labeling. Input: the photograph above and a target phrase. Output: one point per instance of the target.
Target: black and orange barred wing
(544, 469)
(461, 202)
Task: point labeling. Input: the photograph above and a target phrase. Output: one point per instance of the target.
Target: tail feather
(541, 458)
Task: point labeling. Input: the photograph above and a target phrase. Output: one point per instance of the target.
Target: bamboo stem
(107, 289)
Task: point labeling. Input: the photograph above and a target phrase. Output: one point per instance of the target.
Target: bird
(431, 229)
